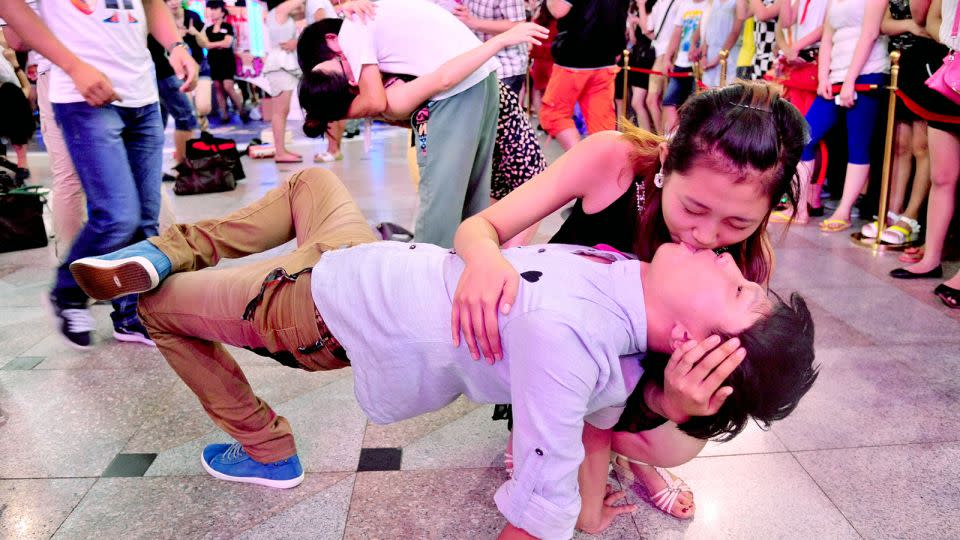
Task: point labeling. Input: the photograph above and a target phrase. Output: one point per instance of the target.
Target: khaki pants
(256, 306)
(67, 201)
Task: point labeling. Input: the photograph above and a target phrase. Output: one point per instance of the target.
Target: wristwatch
(175, 45)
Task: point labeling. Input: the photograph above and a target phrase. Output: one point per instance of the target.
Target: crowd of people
(674, 169)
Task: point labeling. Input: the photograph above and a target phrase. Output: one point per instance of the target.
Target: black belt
(327, 341)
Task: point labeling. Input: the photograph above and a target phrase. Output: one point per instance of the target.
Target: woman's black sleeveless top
(615, 225)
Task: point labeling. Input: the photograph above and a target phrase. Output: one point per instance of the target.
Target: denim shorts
(679, 88)
(175, 103)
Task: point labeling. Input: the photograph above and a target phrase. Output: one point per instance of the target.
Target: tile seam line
(885, 445)
(74, 509)
(825, 494)
(356, 474)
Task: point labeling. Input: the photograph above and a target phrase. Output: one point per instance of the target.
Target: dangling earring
(658, 179)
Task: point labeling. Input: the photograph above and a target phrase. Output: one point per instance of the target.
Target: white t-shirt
(687, 18)
(411, 37)
(661, 19)
(113, 40)
(325, 5)
(948, 12)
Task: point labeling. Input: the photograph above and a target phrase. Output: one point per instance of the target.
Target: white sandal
(664, 499)
(897, 235)
(870, 229)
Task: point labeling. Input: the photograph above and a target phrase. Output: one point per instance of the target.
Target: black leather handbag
(21, 218)
(208, 145)
(211, 174)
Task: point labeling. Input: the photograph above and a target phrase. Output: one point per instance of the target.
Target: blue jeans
(175, 103)
(118, 154)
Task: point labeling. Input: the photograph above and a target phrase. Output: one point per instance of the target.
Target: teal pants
(455, 157)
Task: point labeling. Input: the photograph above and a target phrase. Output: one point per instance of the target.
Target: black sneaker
(133, 332)
(74, 323)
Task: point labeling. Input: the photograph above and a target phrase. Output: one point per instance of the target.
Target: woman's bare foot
(922, 266)
(288, 157)
(675, 499)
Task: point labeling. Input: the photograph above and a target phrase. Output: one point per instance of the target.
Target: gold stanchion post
(626, 88)
(697, 77)
(888, 146)
(723, 67)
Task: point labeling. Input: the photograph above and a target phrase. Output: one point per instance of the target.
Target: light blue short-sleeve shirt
(571, 353)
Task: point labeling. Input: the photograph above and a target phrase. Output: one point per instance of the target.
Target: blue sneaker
(230, 462)
(133, 269)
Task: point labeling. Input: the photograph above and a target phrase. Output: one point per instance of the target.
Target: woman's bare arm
(402, 99)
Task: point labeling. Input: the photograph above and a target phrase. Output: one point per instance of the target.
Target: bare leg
(944, 169)
(669, 118)
(654, 95)
(921, 175)
(180, 139)
(221, 99)
(638, 98)
(901, 166)
(231, 89)
(21, 151)
(279, 110)
(335, 136)
(665, 446)
(852, 187)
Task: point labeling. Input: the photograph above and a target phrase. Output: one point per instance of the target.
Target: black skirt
(17, 124)
(917, 63)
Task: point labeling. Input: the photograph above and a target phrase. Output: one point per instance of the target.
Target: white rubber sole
(55, 321)
(131, 338)
(277, 484)
(106, 280)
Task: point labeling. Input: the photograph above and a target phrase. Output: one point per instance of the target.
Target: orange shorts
(593, 89)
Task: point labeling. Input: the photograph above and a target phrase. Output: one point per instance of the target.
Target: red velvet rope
(668, 74)
(925, 114)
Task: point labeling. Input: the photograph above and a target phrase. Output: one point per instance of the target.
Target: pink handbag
(947, 79)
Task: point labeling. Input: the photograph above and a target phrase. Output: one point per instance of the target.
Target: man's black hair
(767, 386)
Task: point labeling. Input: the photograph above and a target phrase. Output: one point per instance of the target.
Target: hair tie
(745, 106)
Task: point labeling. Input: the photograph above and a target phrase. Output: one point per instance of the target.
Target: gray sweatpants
(457, 162)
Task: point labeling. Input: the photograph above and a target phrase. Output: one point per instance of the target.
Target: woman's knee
(919, 145)
(903, 141)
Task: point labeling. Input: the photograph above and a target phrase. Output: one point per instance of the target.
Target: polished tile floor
(105, 444)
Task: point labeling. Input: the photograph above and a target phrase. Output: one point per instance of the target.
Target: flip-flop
(834, 225)
(300, 160)
(783, 216)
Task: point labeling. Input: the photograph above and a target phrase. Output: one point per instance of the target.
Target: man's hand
(609, 513)
(364, 10)
(185, 67)
(526, 32)
(463, 13)
(692, 378)
(93, 85)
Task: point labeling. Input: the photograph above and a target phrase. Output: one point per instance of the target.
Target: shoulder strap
(670, 5)
(956, 22)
